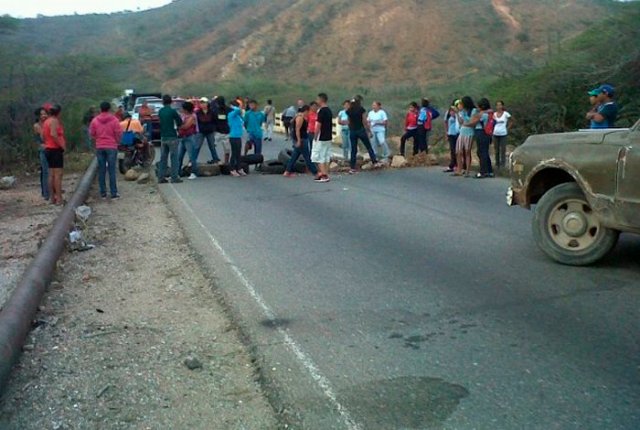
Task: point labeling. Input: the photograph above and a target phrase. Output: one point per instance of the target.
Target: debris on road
(8, 182)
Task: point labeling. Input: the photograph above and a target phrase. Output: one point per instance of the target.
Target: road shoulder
(132, 335)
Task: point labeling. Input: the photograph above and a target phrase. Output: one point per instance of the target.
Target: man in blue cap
(607, 112)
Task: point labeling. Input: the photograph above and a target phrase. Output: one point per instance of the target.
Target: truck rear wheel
(567, 230)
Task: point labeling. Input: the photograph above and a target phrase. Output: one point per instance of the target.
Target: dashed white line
(293, 346)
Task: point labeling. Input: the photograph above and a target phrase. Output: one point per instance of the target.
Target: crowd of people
(309, 127)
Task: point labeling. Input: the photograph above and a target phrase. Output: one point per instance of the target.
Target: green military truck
(585, 187)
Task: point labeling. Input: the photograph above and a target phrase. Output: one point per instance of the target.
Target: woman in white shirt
(500, 132)
(378, 119)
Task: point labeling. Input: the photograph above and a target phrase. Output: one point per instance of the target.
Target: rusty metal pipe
(20, 309)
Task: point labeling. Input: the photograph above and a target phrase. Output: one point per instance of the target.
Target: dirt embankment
(132, 336)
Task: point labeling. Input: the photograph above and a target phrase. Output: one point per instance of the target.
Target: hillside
(354, 43)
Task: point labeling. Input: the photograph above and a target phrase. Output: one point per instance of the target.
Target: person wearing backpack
(410, 127)
(500, 131)
(425, 120)
(484, 125)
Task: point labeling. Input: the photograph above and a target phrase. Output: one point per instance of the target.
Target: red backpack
(429, 120)
(490, 125)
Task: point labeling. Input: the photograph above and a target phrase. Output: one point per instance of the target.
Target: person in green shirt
(170, 121)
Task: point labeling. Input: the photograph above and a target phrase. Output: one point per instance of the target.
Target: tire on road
(122, 166)
(224, 169)
(285, 155)
(566, 229)
(252, 159)
(271, 167)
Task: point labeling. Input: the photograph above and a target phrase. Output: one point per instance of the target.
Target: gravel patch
(131, 335)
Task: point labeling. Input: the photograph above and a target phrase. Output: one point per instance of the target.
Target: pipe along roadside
(20, 309)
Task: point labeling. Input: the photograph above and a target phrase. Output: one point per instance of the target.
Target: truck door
(628, 184)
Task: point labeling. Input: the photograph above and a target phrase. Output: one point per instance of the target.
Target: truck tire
(566, 229)
(271, 167)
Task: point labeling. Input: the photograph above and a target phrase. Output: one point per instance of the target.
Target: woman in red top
(54, 146)
(312, 119)
(410, 128)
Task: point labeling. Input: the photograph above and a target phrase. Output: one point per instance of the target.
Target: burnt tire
(226, 171)
(252, 159)
(285, 156)
(567, 230)
(121, 166)
(271, 167)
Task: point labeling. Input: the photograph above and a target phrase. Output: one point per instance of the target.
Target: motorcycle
(135, 151)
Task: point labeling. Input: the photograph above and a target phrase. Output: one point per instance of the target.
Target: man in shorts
(321, 152)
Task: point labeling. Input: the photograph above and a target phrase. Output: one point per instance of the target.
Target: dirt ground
(25, 219)
(131, 334)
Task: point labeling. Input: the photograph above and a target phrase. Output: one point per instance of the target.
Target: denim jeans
(169, 147)
(211, 143)
(107, 159)
(256, 141)
(379, 139)
(44, 174)
(346, 142)
(191, 145)
(148, 130)
(483, 141)
(88, 141)
(306, 155)
(361, 134)
(500, 143)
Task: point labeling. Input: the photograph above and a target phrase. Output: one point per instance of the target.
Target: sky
(31, 8)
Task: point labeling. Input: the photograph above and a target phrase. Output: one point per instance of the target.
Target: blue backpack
(434, 112)
(128, 137)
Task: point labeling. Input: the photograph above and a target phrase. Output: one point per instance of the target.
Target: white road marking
(304, 359)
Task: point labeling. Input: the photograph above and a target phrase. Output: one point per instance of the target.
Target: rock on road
(412, 299)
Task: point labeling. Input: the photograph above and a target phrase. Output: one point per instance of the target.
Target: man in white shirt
(378, 120)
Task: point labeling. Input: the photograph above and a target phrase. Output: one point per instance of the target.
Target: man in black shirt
(358, 125)
(321, 152)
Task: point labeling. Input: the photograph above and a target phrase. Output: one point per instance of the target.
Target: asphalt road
(411, 299)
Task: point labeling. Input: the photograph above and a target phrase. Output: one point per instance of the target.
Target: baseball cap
(594, 92)
(607, 89)
(204, 100)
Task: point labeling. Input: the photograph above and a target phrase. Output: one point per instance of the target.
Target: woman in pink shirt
(106, 132)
